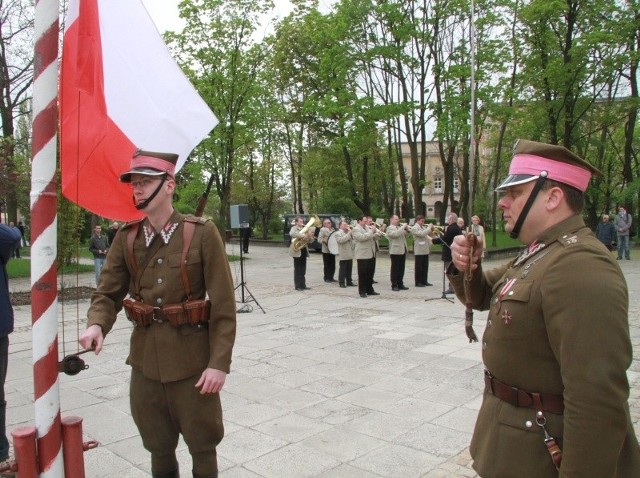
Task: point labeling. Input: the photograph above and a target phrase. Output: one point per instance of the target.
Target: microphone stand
(444, 294)
(243, 285)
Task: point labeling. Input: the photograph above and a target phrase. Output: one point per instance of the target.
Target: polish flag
(120, 90)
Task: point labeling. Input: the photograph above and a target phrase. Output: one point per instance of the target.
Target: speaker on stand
(239, 215)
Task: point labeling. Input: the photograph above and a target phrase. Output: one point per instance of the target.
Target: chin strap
(146, 202)
(525, 210)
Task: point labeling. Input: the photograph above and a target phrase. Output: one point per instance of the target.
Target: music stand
(444, 294)
(243, 286)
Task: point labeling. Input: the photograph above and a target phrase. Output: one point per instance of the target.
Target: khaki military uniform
(161, 353)
(557, 324)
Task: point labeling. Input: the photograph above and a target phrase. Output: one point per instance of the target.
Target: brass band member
(556, 346)
(397, 236)
(378, 233)
(328, 259)
(344, 238)
(300, 256)
(365, 253)
(180, 350)
(422, 243)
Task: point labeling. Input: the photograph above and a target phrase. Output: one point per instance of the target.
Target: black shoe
(306, 288)
(402, 287)
(343, 286)
(421, 285)
(352, 285)
(395, 288)
(327, 280)
(449, 291)
(374, 281)
(373, 293)
(364, 296)
(299, 288)
(332, 280)
(428, 284)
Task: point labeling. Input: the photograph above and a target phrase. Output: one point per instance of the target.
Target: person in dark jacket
(606, 232)
(99, 246)
(446, 239)
(9, 241)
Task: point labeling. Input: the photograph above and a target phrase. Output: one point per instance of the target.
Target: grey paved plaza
(324, 384)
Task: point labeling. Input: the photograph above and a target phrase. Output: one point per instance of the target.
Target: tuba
(298, 243)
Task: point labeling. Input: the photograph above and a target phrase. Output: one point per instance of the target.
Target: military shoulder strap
(189, 228)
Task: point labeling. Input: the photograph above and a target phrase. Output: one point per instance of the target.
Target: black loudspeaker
(239, 216)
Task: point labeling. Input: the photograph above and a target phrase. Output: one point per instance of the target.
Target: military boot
(196, 475)
(170, 474)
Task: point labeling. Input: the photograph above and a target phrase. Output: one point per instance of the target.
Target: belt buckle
(156, 310)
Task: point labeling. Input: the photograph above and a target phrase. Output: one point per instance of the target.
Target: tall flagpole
(472, 146)
(44, 278)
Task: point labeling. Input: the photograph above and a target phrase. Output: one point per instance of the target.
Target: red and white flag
(120, 90)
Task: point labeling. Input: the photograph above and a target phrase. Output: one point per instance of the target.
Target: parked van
(314, 245)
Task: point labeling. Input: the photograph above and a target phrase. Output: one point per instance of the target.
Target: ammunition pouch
(190, 312)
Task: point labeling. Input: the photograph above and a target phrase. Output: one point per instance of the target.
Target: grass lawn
(20, 268)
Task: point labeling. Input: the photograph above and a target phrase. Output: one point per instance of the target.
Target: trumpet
(438, 230)
(377, 230)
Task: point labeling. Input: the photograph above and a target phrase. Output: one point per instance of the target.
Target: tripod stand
(444, 294)
(243, 288)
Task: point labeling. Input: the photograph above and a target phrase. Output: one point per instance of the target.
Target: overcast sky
(165, 12)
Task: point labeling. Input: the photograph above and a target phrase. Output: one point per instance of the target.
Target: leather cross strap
(519, 398)
(187, 235)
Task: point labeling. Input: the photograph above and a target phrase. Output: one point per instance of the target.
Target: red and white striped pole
(44, 278)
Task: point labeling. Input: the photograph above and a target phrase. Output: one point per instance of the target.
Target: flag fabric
(120, 90)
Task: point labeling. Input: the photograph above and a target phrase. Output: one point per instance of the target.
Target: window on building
(456, 185)
(437, 184)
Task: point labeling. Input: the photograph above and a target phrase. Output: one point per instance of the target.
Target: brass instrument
(297, 242)
(438, 230)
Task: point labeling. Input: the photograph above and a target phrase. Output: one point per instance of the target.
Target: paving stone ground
(323, 384)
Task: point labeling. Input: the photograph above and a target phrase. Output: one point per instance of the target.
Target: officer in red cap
(171, 267)
(556, 346)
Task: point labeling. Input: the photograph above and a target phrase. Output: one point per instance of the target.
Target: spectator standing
(23, 233)
(623, 227)
(245, 235)
(16, 252)
(98, 245)
(478, 230)
(606, 232)
(111, 232)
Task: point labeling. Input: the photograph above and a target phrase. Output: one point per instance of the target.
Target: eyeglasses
(141, 184)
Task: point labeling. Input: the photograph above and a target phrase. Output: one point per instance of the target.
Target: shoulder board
(195, 219)
(130, 223)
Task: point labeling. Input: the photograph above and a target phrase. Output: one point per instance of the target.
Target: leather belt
(519, 398)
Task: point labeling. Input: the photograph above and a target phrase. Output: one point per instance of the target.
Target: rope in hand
(468, 276)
